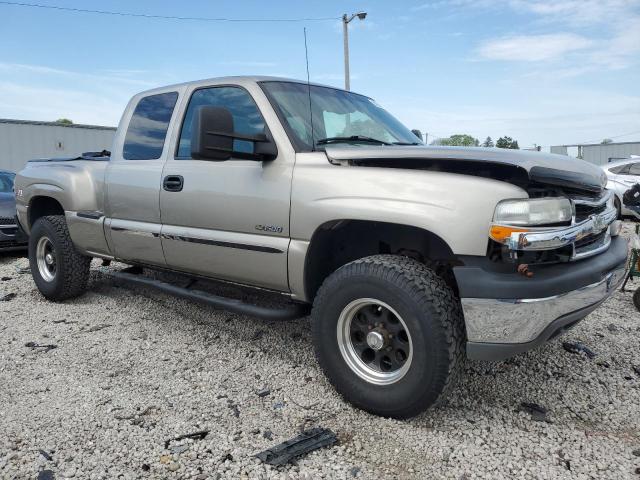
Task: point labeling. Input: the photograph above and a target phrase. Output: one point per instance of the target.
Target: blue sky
(542, 71)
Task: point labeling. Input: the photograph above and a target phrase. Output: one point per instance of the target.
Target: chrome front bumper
(524, 320)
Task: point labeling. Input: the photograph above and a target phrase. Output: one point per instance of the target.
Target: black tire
(618, 206)
(434, 321)
(70, 270)
(636, 299)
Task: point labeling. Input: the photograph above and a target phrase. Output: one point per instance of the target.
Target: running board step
(288, 312)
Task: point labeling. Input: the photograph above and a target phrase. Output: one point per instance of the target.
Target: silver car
(621, 176)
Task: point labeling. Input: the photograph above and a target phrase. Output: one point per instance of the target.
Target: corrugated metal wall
(20, 142)
(602, 154)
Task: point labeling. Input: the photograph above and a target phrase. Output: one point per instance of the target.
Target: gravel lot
(134, 367)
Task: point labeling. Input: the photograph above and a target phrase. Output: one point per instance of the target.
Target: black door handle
(173, 183)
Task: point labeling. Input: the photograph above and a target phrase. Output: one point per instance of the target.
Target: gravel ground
(134, 367)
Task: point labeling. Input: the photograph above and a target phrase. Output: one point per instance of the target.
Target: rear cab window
(148, 127)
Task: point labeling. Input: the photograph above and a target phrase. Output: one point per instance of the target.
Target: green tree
(460, 140)
(507, 142)
(64, 121)
(606, 141)
(488, 142)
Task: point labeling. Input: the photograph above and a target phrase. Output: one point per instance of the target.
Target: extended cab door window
(148, 127)
(246, 116)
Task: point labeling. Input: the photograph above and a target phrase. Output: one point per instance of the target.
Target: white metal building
(601, 153)
(23, 140)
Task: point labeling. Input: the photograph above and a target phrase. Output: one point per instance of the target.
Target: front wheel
(388, 333)
(58, 269)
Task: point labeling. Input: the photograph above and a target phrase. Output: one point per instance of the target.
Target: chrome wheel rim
(374, 341)
(46, 259)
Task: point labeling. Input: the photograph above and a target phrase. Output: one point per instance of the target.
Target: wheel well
(339, 242)
(43, 206)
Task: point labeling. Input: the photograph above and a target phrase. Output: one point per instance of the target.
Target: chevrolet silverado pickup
(412, 257)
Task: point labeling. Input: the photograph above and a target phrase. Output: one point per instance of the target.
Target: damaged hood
(522, 168)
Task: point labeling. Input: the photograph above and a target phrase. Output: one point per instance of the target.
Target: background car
(11, 237)
(621, 176)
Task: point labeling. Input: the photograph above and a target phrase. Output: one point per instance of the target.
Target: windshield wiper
(406, 143)
(352, 138)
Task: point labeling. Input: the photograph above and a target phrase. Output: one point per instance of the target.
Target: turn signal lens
(501, 233)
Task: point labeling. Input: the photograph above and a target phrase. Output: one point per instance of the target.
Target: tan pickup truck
(412, 257)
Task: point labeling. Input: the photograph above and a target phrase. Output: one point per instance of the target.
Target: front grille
(583, 212)
(9, 231)
(7, 221)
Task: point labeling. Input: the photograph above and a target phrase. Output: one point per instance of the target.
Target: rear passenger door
(228, 219)
(133, 180)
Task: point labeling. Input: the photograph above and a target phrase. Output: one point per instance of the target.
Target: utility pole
(345, 31)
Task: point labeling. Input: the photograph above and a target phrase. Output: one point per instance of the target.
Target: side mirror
(213, 134)
(417, 133)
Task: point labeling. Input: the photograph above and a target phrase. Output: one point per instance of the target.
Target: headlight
(512, 216)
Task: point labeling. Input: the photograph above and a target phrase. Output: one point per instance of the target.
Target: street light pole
(345, 31)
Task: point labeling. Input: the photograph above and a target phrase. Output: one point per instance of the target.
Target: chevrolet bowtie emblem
(599, 223)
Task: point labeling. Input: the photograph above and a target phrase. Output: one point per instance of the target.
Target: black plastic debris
(538, 412)
(8, 297)
(636, 453)
(268, 434)
(196, 435)
(45, 348)
(578, 347)
(46, 455)
(636, 368)
(5, 279)
(304, 443)
(263, 393)
(46, 475)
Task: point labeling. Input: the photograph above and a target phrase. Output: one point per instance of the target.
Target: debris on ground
(263, 393)
(304, 443)
(34, 345)
(8, 297)
(612, 327)
(5, 279)
(46, 455)
(196, 435)
(97, 328)
(578, 347)
(636, 368)
(178, 449)
(46, 475)
(23, 270)
(268, 434)
(538, 412)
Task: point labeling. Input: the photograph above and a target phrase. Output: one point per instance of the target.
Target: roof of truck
(239, 79)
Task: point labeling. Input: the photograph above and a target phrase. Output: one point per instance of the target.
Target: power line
(167, 17)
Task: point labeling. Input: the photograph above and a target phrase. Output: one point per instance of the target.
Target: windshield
(6, 182)
(338, 117)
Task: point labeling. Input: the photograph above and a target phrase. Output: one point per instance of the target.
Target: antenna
(306, 55)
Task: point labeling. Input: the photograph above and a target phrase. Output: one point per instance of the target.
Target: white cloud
(533, 48)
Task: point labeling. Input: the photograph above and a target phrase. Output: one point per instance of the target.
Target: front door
(133, 182)
(229, 219)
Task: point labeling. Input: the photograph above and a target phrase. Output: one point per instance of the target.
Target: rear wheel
(58, 269)
(388, 333)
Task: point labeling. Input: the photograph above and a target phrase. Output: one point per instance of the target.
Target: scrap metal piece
(197, 435)
(304, 443)
(45, 348)
(578, 347)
